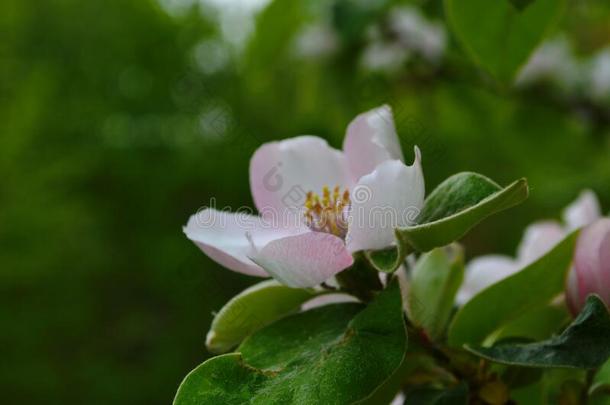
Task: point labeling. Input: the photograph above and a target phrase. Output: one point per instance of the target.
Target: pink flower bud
(591, 271)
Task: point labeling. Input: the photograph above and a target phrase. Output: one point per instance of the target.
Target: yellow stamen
(327, 214)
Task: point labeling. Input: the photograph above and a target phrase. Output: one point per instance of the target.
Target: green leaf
(434, 283)
(385, 393)
(455, 194)
(457, 205)
(501, 303)
(584, 344)
(333, 354)
(213, 382)
(601, 381)
(252, 309)
(387, 260)
(500, 35)
(537, 324)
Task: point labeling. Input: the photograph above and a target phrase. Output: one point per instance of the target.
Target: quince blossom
(305, 249)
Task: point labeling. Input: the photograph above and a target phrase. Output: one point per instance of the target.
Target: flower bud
(591, 271)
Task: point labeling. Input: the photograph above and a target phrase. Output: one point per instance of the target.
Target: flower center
(328, 213)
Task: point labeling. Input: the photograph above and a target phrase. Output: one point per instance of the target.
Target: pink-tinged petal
(327, 299)
(224, 237)
(304, 260)
(591, 272)
(389, 197)
(371, 139)
(583, 211)
(483, 272)
(604, 267)
(281, 173)
(538, 239)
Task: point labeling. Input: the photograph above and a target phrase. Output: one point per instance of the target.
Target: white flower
(318, 243)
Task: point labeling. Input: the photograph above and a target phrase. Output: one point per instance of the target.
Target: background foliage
(120, 118)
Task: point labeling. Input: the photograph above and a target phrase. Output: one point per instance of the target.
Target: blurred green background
(120, 118)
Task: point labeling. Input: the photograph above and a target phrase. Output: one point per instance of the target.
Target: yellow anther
(346, 197)
(336, 194)
(325, 196)
(309, 200)
(327, 214)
